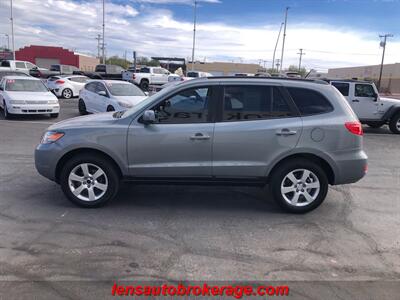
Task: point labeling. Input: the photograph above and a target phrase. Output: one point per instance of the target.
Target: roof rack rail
(319, 81)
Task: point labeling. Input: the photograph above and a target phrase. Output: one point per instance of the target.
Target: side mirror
(102, 93)
(376, 96)
(149, 117)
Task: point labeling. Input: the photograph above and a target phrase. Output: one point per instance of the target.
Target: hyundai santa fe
(296, 136)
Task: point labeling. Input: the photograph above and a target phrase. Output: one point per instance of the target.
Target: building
(225, 68)
(44, 56)
(390, 75)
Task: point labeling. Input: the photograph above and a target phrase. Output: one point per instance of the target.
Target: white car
(26, 95)
(66, 86)
(109, 95)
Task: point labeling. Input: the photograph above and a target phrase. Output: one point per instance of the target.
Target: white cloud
(153, 31)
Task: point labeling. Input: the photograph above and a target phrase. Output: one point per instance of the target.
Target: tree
(116, 60)
(145, 61)
(293, 68)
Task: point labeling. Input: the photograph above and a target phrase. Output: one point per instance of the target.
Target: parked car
(108, 95)
(26, 95)
(198, 74)
(109, 71)
(298, 136)
(19, 65)
(371, 109)
(54, 70)
(66, 86)
(149, 76)
(12, 73)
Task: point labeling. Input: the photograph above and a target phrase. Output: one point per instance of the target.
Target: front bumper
(46, 159)
(28, 109)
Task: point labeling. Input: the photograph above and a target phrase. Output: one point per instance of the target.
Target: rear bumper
(351, 167)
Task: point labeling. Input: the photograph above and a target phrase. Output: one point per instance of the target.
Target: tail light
(133, 76)
(60, 82)
(354, 128)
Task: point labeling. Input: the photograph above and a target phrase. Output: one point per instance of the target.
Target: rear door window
(310, 102)
(20, 65)
(246, 102)
(343, 87)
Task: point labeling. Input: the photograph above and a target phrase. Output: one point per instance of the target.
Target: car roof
(109, 81)
(22, 77)
(346, 80)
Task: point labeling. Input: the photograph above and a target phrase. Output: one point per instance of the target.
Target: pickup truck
(109, 71)
(19, 65)
(149, 76)
(370, 108)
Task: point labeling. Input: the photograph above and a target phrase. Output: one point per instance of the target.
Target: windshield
(123, 89)
(24, 85)
(55, 68)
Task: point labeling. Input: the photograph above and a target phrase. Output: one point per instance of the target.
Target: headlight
(51, 137)
(17, 102)
(53, 102)
(125, 104)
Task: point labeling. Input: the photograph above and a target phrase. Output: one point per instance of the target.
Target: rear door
(257, 124)
(179, 144)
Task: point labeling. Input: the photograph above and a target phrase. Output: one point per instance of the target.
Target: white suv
(369, 107)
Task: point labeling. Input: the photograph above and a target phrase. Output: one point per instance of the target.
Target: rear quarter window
(310, 102)
(343, 87)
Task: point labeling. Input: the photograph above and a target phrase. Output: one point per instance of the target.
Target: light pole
(284, 38)
(383, 45)
(103, 45)
(276, 46)
(194, 31)
(12, 28)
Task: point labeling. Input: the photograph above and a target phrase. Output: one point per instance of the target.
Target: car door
(101, 101)
(20, 66)
(364, 102)
(157, 76)
(90, 97)
(258, 123)
(179, 144)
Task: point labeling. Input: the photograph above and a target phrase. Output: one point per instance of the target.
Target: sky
(333, 33)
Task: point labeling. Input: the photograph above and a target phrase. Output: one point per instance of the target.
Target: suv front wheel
(299, 186)
(89, 180)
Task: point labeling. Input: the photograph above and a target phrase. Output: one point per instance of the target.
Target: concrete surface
(189, 233)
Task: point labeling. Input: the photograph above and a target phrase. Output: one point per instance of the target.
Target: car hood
(33, 96)
(95, 120)
(390, 100)
(131, 99)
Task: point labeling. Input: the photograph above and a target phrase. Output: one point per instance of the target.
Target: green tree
(116, 60)
(293, 68)
(145, 61)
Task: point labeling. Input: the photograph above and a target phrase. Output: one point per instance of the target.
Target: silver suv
(296, 135)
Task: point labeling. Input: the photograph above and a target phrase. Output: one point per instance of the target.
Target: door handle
(199, 137)
(356, 100)
(286, 132)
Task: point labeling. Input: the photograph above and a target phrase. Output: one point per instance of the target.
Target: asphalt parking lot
(189, 233)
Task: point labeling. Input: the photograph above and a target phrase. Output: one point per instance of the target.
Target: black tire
(67, 93)
(284, 169)
(54, 116)
(110, 108)
(375, 124)
(7, 115)
(394, 124)
(82, 107)
(144, 84)
(112, 179)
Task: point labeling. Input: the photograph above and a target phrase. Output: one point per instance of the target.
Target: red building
(44, 56)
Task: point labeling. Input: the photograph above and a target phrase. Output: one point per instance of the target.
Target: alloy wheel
(67, 93)
(300, 187)
(88, 182)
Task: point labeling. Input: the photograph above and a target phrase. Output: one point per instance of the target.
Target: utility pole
(103, 45)
(194, 31)
(383, 45)
(277, 64)
(98, 45)
(12, 28)
(301, 53)
(284, 37)
(276, 46)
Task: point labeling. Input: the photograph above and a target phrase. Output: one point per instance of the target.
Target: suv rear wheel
(394, 124)
(89, 180)
(299, 186)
